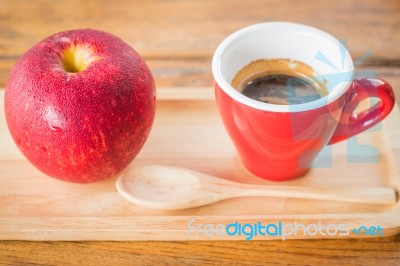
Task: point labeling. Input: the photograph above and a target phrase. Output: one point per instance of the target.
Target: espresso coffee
(279, 81)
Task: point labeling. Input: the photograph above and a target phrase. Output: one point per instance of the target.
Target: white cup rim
(233, 93)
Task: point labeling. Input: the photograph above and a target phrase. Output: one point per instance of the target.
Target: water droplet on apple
(54, 119)
(54, 128)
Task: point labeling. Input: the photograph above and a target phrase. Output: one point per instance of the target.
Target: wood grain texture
(175, 35)
(177, 39)
(383, 251)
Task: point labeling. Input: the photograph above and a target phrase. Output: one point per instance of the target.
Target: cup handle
(352, 123)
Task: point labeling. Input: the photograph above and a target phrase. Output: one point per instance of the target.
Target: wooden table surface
(177, 39)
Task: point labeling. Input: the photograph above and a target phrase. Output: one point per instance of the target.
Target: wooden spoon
(171, 188)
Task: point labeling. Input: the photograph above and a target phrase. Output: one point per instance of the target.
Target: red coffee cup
(280, 142)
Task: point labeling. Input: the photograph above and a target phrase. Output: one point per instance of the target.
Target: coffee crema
(279, 81)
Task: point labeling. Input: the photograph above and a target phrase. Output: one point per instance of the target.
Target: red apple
(80, 105)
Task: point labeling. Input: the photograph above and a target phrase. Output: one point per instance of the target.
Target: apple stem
(77, 57)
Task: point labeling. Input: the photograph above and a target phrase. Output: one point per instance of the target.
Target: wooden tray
(189, 133)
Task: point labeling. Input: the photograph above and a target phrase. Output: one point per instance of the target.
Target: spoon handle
(372, 195)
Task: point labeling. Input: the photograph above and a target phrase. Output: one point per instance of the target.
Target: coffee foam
(266, 67)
